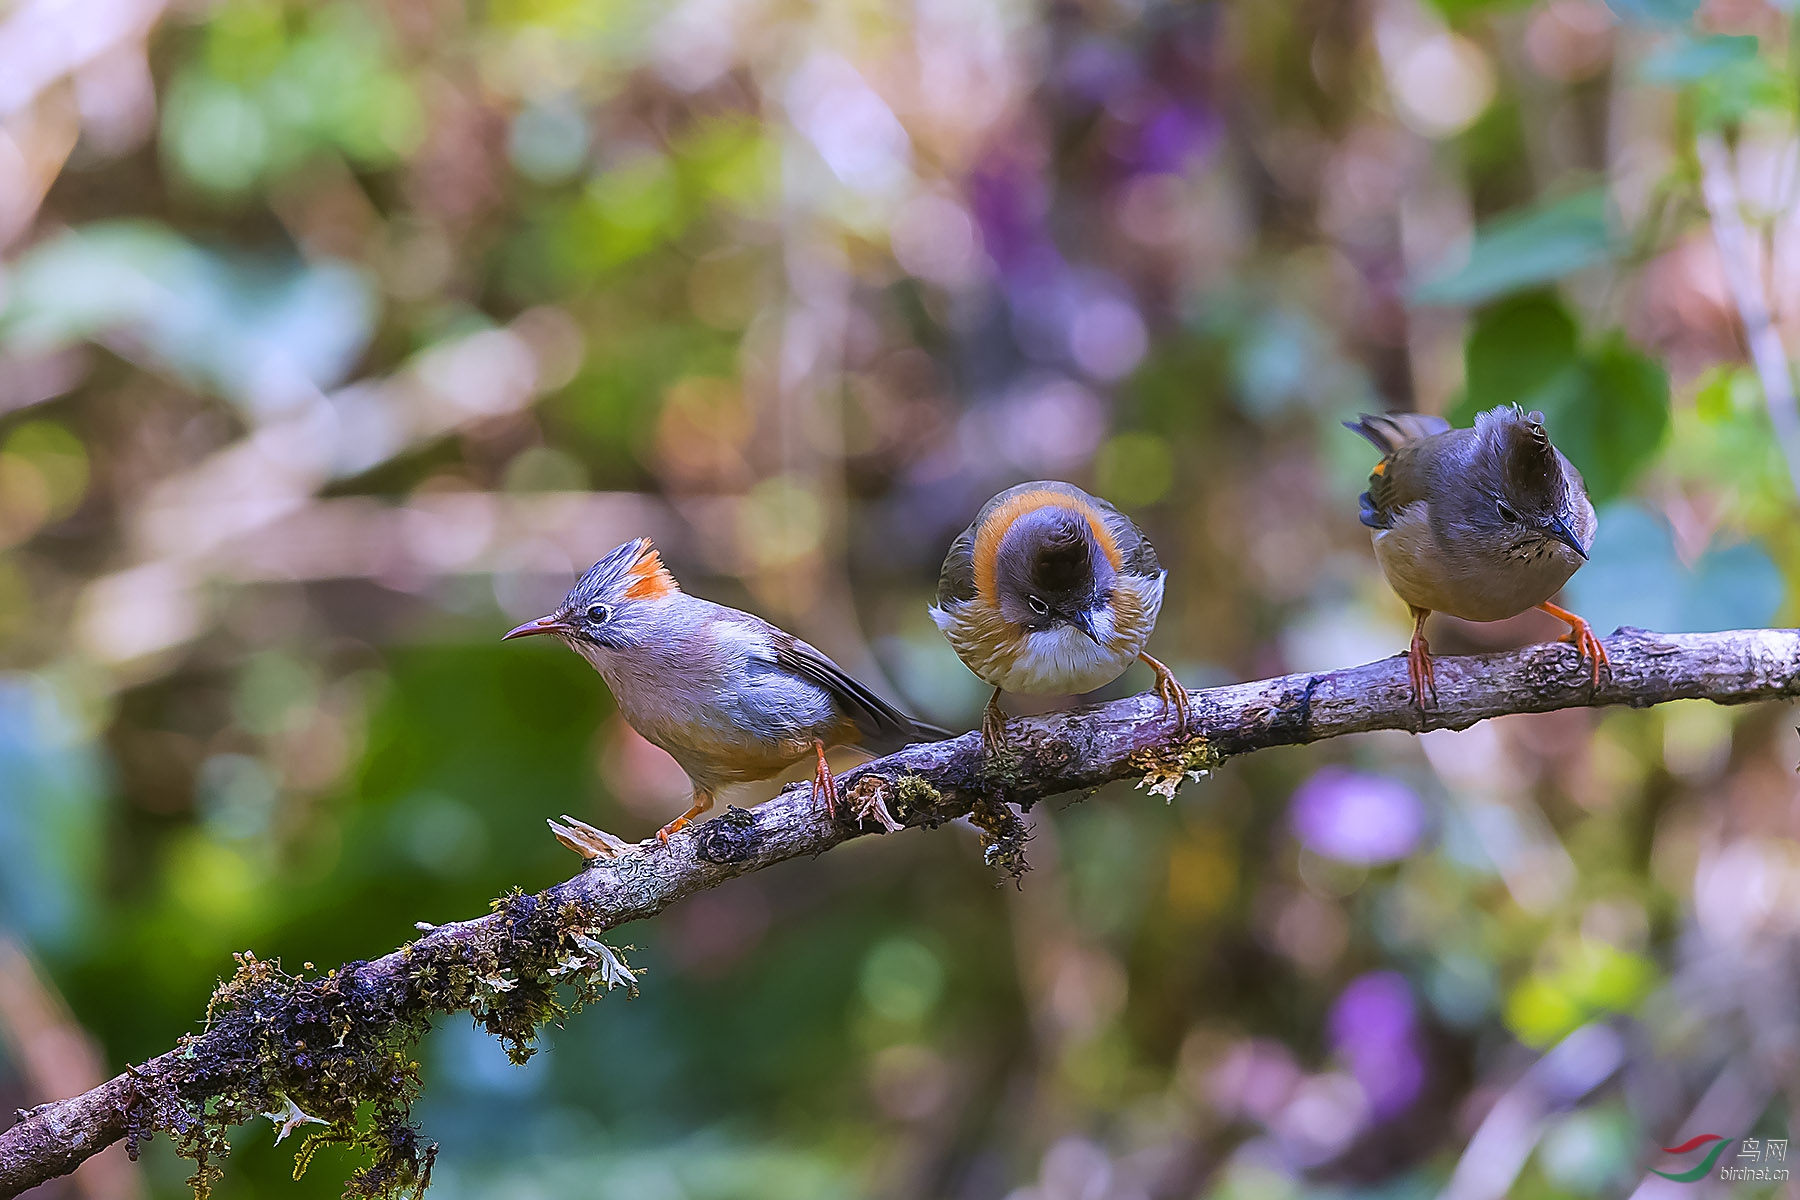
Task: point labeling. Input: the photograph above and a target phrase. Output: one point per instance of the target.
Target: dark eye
(599, 614)
(1506, 513)
(1038, 606)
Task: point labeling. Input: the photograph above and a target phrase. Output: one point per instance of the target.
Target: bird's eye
(599, 614)
(1506, 512)
(1038, 606)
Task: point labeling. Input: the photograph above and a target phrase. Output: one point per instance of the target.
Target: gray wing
(957, 580)
(883, 727)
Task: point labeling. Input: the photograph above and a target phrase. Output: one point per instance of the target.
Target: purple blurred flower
(1376, 1008)
(1357, 818)
(1009, 201)
(1173, 134)
(1373, 1029)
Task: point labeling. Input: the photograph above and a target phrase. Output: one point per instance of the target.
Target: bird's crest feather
(632, 571)
(650, 580)
(1517, 446)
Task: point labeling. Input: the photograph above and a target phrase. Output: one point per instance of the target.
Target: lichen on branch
(330, 1046)
(335, 1049)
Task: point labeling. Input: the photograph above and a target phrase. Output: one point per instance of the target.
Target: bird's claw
(993, 728)
(1591, 649)
(1173, 695)
(702, 802)
(823, 782)
(1422, 674)
(1581, 635)
(1419, 669)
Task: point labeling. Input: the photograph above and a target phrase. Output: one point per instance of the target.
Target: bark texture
(924, 785)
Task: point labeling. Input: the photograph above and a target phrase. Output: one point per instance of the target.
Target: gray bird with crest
(1481, 523)
(728, 695)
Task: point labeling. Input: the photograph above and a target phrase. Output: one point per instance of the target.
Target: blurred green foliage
(271, 87)
(1609, 403)
(1527, 250)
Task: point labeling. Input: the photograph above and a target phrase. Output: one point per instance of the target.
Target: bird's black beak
(1559, 529)
(1084, 621)
(549, 624)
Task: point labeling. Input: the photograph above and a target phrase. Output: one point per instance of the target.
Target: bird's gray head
(1523, 490)
(1050, 570)
(612, 606)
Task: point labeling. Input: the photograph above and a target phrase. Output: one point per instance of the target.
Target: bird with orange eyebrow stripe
(728, 695)
(1052, 591)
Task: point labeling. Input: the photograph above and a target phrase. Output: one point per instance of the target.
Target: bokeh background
(335, 338)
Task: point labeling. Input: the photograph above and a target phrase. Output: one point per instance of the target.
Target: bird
(1051, 591)
(729, 696)
(1481, 523)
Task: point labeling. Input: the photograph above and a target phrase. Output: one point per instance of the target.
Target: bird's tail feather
(889, 737)
(1387, 432)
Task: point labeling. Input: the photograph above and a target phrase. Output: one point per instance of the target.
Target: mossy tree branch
(328, 1043)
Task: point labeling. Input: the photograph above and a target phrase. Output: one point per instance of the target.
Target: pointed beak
(1559, 529)
(1084, 621)
(541, 625)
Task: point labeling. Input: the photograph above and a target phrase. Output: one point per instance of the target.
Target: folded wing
(883, 727)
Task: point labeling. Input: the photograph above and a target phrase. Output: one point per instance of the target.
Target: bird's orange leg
(993, 725)
(1581, 636)
(823, 782)
(1418, 662)
(1172, 694)
(702, 802)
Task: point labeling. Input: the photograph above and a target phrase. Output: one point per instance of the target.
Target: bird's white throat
(1066, 661)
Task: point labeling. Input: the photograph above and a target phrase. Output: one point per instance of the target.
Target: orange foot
(1581, 636)
(1418, 663)
(702, 802)
(823, 782)
(1170, 691)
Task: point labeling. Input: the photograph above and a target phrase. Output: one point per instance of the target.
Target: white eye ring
(600, 614)
(1506, 513)
(1038, 606)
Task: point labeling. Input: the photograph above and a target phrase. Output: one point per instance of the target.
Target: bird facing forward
(729, 696)
(1480, 523)
(1052, 591)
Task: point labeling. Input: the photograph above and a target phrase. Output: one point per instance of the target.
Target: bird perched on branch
(1052, 591)
(1480, 523)
(728, 695)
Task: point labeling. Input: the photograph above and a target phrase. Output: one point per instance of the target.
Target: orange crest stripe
(650, 580)
(1380, 468)
(993, 531)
